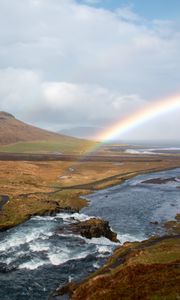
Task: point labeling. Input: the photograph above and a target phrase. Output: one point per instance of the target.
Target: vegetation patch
(135, 271)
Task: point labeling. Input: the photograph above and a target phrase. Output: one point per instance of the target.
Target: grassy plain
(63, 144)
(45, 187)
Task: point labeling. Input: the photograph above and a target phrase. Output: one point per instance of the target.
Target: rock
(5, 268)
(160, 180)
(63, 293)
(92, 228)
(154, 222)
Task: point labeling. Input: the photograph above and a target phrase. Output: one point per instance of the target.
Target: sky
(68, 63)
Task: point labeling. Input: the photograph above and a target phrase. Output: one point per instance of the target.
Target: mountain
(13, 131)
(17, 136)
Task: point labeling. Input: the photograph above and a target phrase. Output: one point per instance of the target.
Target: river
(35, 259)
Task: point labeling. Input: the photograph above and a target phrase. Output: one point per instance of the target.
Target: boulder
(92, 228)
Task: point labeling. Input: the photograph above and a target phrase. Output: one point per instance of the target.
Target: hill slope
(13, 131)
(17, 136)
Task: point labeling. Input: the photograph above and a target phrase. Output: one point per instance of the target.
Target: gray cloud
(62, 63)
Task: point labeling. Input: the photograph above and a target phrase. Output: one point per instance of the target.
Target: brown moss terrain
(45, 187)
(141, 270)
(173, 226)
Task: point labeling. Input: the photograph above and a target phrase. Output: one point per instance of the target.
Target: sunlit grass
(66, 145)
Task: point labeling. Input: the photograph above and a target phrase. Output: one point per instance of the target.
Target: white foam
(129, 238)
(104, 249)
(32, 264)
(70, 278)
(151, 151)
(8, 260)
(140, 151)
(23, 237)
(81, 217)
(73, 217)
(57, 259)
(38, 247)
(43, 218)
(177, 179)
(70, 235)
(100, 241)
(62, 257)
(96, 265)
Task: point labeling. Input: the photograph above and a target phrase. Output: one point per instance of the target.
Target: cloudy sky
(68, 63)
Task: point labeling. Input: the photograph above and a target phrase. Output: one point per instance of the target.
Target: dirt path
(93, 186)
(64, 157)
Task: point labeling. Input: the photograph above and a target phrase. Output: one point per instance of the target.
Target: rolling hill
(17, 136)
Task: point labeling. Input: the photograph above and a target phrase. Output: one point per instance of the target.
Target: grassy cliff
(148, 270)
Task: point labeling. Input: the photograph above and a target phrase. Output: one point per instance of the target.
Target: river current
(35, 258)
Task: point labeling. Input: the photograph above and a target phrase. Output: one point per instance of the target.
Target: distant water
(35, 258)
(156, 150)
(140, 148)
(131, 206)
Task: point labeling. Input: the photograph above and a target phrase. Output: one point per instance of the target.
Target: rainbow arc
(136, 119)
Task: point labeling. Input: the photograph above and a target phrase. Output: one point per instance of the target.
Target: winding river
(35, 259)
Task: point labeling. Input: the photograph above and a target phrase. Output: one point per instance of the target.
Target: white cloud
(19, 89)
(26, 94)
(62, 62)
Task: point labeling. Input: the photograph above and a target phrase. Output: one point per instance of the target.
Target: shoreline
(127, 267)
(76, 203)
(74, 289)
(83, 190)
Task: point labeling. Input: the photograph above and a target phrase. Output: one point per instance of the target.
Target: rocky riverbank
(154, 262)
(47, 194)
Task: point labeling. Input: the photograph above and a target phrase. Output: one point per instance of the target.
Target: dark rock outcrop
(154, 222)
(91, 228)
(161, 180)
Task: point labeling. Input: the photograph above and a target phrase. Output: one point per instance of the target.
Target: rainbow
(139, 117)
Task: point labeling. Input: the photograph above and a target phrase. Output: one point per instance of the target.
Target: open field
(67, 144)
(43, 187)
